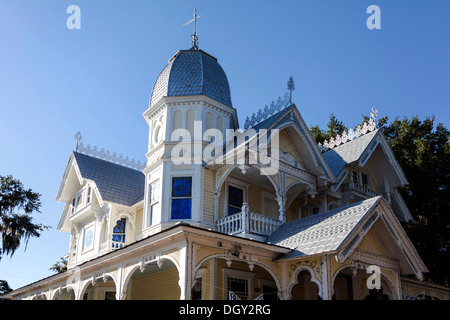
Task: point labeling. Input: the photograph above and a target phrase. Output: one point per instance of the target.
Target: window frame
(237, 184)
(152, 205)
(172, 197)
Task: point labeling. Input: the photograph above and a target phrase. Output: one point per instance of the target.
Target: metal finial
(291, 87)
(78, 137)
(194, 35)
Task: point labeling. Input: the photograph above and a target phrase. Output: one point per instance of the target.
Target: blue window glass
(181, 208)
(181, 186)
(119, 231)
(235, 196)
(181, 198)
(235, 200)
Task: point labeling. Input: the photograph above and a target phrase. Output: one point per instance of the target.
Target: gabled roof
(348, 152)
(115, 183)
(341, 230)
(360, 151)
(322, 232)
(290, 118)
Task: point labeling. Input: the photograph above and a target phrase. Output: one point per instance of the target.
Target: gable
(365, 229)
(289, 153)
(291, 122)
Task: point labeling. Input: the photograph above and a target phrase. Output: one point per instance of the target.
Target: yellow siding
(286, 145)
(254, 199)
(139, 217)
(208, 196)
(161, 285)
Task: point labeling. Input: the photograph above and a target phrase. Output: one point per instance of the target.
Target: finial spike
(194, 36)
(78, 138)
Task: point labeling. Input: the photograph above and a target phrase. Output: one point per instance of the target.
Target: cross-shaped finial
(194, 35)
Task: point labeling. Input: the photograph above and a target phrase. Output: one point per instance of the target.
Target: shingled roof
(323, 232)
(116, 183)
(338, 157)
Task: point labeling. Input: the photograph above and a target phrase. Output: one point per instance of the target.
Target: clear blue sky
(55, 81)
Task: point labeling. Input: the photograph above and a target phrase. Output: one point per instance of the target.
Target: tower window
(181, 198)
(153, 196)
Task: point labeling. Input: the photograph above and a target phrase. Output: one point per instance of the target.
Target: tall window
(118, 237)
(88, 199)
(181, 198)
(235, 200)
(153, 196)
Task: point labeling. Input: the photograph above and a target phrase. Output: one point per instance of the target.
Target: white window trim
(175, 175)
(85, 229)
(237, 184)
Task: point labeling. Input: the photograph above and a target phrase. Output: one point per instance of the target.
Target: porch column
(281, 199)
(185, 272)
(120, 290)
(327, 278)
(216, 206)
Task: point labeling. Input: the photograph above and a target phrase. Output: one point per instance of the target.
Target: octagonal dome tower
(189, 73)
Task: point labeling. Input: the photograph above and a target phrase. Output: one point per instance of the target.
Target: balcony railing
(361, 189)
(247, 222)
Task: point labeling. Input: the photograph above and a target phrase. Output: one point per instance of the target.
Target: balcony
(361, 189)
(246, 223)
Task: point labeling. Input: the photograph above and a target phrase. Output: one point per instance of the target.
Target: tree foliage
(4, 287)
(423, 152)
(60, 266)
(16, 207)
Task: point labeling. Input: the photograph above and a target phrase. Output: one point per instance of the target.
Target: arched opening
(222, 279)
(103, 288)
(351, 284)
(305, 288)
(156, 281)
(65, 294)
(247, 196)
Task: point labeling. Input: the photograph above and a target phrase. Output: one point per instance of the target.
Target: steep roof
(338, 157)
(115, 183)
(322, 232)
(340, 231)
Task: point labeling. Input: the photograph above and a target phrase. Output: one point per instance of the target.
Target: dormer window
(118, 237)
(364, 179)
(88, 198)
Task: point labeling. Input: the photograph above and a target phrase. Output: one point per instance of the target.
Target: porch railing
(247, 222)
(362, 189)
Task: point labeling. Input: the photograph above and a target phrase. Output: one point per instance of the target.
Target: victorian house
(324, 225)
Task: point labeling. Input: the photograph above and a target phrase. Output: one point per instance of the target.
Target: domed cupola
(189, 73)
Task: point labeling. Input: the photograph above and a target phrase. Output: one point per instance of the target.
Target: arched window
(190, 118)
(177, 119)
(209, 121)
(220, 125)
